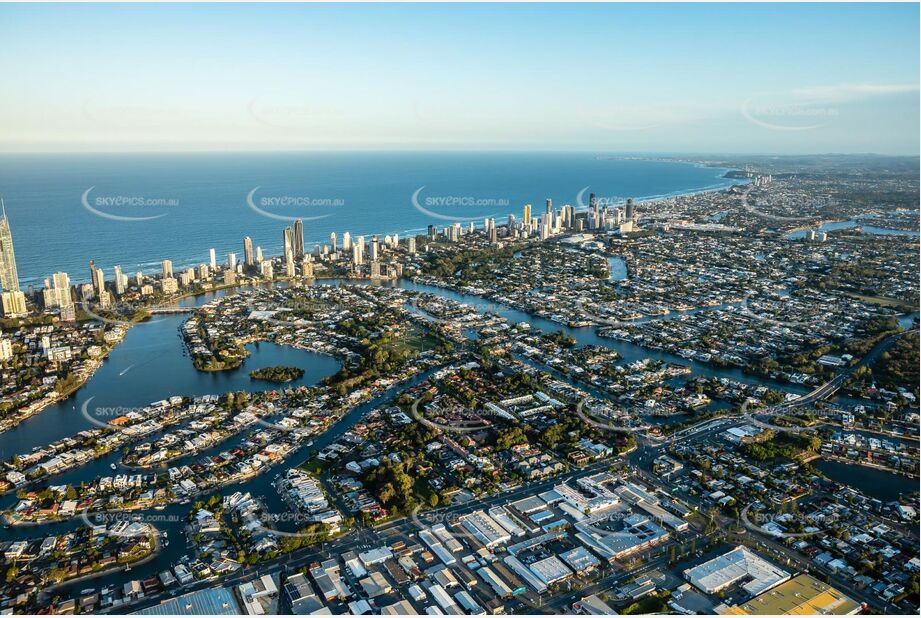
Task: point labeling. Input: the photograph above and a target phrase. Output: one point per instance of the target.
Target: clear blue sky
(784, 78)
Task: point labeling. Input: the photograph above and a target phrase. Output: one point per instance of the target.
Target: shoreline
(710, 188)
(864, 464)
(96, 363)
(115, 569)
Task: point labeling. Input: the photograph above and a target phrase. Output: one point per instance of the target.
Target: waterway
(874, 483)
(618, 268)
(846, 225)
(173, 518)
(152, 364)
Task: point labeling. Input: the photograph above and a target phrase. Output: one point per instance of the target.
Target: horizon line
(597, 152)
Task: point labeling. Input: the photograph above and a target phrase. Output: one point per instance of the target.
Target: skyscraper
(248, 251)
(526, 217)
(9, 277)
(332, 241)
(375, 246)
(167, 269)
(119, 280)
(13, 303)
(549, 206)
(631, 209)
(299, 239)
(289, 263)
(213, 262)
(62, 297)
(99, 280)
(287, 241)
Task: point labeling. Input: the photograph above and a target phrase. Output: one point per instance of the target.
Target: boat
(113, 466)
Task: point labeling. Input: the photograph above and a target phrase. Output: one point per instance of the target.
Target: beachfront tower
(298, 238)
(9, 277)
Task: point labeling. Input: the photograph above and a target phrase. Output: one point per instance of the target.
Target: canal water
(846, 225)
(618, 268)
(874, 483)
(152, 364)
(585, 336)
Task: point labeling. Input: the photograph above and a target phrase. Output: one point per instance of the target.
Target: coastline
(179, 263)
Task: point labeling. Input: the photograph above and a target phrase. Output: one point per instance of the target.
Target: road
(831, 387)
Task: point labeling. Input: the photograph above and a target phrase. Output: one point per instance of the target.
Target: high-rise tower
(299, 238)
(9, 276)
(287, 241)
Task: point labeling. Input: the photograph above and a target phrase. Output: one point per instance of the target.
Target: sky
(657, 78)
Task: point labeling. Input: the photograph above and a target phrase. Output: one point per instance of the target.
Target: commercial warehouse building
(213, 601)
(739, 566)
(485, 529)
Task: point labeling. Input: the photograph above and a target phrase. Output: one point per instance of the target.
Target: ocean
(138, 209)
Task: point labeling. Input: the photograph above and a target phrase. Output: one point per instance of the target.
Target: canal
(846, 225)
(874, 483)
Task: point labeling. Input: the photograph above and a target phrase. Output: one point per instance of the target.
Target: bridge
(819, 393)
(172, 309)
(831, 387)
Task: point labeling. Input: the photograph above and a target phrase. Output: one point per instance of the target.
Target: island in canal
(279, 373)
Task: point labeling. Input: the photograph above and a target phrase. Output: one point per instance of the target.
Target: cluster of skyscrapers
(599, 217)
(360, 257)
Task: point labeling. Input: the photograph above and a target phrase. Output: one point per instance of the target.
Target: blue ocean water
(193, 202)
